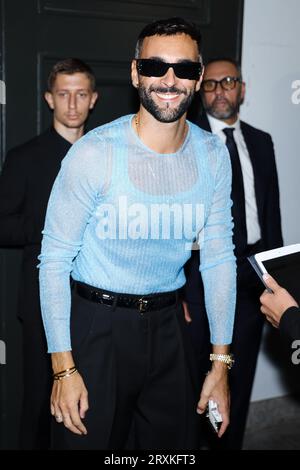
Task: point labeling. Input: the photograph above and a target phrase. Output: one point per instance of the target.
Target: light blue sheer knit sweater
(123, 218)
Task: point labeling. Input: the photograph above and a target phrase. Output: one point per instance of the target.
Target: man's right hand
(69, 398)
(69, 402)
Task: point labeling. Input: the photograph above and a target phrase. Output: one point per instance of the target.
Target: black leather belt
(143, 303)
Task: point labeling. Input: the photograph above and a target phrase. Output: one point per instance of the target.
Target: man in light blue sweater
(129, 202)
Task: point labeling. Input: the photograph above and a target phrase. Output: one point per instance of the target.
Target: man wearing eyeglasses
(257, 227)
(131, 198)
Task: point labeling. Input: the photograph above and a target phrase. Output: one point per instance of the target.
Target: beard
(166, 113)
(226, 112)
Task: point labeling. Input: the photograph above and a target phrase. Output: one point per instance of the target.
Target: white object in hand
(214, 415)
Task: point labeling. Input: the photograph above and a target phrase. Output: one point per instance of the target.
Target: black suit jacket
(26, 180)
(261, 153)
(289, 325)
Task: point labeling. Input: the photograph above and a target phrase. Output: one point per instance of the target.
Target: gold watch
(226, 358)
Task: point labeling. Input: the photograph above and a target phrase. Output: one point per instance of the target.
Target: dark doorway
(34, 35)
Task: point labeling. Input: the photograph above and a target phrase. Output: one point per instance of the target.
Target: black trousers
(135, 369)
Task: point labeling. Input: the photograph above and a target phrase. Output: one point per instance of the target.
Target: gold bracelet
(68, 374)
(62, 372)
(226, 358)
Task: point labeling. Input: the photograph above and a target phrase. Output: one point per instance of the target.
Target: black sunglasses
(157, 68)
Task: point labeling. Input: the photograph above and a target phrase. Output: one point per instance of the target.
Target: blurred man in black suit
(25, 184)
(256, 214)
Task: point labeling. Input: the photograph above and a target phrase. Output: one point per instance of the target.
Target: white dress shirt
(253, 227)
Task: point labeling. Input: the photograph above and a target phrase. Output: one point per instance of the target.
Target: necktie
(237, 195)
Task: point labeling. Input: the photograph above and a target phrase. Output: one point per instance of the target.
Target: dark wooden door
(34, 35)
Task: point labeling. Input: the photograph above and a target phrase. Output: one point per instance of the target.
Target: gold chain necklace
(137, 126)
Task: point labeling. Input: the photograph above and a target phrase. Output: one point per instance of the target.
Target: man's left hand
(216, 388)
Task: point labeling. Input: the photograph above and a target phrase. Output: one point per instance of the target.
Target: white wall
(271, 66)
